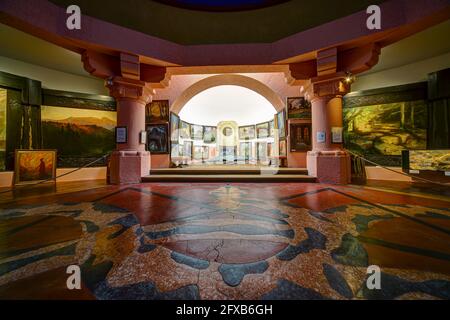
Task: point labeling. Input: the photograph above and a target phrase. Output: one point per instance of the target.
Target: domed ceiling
(195, 22)
(221, 5)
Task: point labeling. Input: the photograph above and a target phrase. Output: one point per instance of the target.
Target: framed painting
(185, 130)
(157, 111)
(196, 132)
(198, 152)
(157, 138)
(261, 151)
(262, 130)
(174, 127)
(282, 148)
(33, 166)
(300, 137)
(272, 128)
(205, 154)
(174, 150)
(270, 149)
(380, 123)
(281, 124)
(187, 149)
(246, 150)
(209, 134)
(247, 132)
(298, 108)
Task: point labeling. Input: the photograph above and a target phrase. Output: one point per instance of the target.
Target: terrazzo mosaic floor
(226, 241)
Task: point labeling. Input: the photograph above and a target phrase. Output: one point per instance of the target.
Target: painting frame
(174, 127)
(157, 111)
(196, 130)
(300, 137)
(281, 124)
(247, 132)
(185, 130)
(17, 181)
(211, 133)
(262, 130)
(282, 148)
(164, 143)
(298, 108)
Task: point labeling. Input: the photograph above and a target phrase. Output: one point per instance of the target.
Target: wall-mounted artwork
(247, 132)
(174, 127)
(2, 129)
(245, 150)
(261, 151)
(187, 149)
(270, 149)
(300, 137)
(431, 160)
(175, 150)
(157, 111)
(185, 130)
(386, 129)
(198, 152)
(282, 148)
(272, 128)
(205, 151)
(298, 108)
(157, 138)
(34, 165)
(281, 124)
(209, 134)
(262, 130)
(78, 132)
(196, 132)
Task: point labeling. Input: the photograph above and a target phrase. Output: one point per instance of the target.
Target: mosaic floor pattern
(234, 241)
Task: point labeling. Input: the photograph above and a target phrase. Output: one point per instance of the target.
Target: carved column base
(127, 167)
(333, 167)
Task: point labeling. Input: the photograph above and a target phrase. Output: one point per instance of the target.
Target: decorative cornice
(327, 87)
(121, 88)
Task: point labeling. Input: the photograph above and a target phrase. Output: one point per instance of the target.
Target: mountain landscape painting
(78, 132)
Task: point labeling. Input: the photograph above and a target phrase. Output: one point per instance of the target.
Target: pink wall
(160, 161)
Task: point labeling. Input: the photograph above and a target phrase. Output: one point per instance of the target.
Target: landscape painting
(272, 129)
(157, 138)
(298, 108)
(34, 165)
(247, 132)
(174, 127)
(196, 132)
(386, 129)
(78, 132)
(185, 130)
(262, 130)
(2, 128)
(246, 150)
(209, 134)
(157, 111)
(281, 124)
(431, 160)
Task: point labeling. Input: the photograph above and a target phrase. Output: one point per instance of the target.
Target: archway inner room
(224, 150)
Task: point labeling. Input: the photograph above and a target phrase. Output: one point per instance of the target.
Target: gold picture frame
(33, 166)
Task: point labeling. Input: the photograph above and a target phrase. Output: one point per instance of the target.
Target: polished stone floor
(225, 241)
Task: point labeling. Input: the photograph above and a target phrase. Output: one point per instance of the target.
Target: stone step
(229, 178)
(230, 171)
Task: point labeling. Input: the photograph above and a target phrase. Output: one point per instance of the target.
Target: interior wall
(53, 79)
(410, 73)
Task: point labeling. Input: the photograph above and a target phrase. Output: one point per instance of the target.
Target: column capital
(121, 88)
(327, 87)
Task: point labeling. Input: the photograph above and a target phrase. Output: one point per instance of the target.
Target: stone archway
(228, 79)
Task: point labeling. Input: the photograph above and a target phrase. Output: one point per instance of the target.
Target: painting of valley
(78, 132)
(386, 129)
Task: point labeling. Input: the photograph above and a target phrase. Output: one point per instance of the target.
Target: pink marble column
(328, 161)
(130, 162)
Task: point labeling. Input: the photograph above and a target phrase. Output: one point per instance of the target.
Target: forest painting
(386, 129)
(78, 132)
(2, 128)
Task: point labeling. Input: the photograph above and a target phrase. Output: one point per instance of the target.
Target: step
(206, 171)
(228, 178)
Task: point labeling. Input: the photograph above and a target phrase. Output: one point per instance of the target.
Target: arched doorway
(225, 120)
